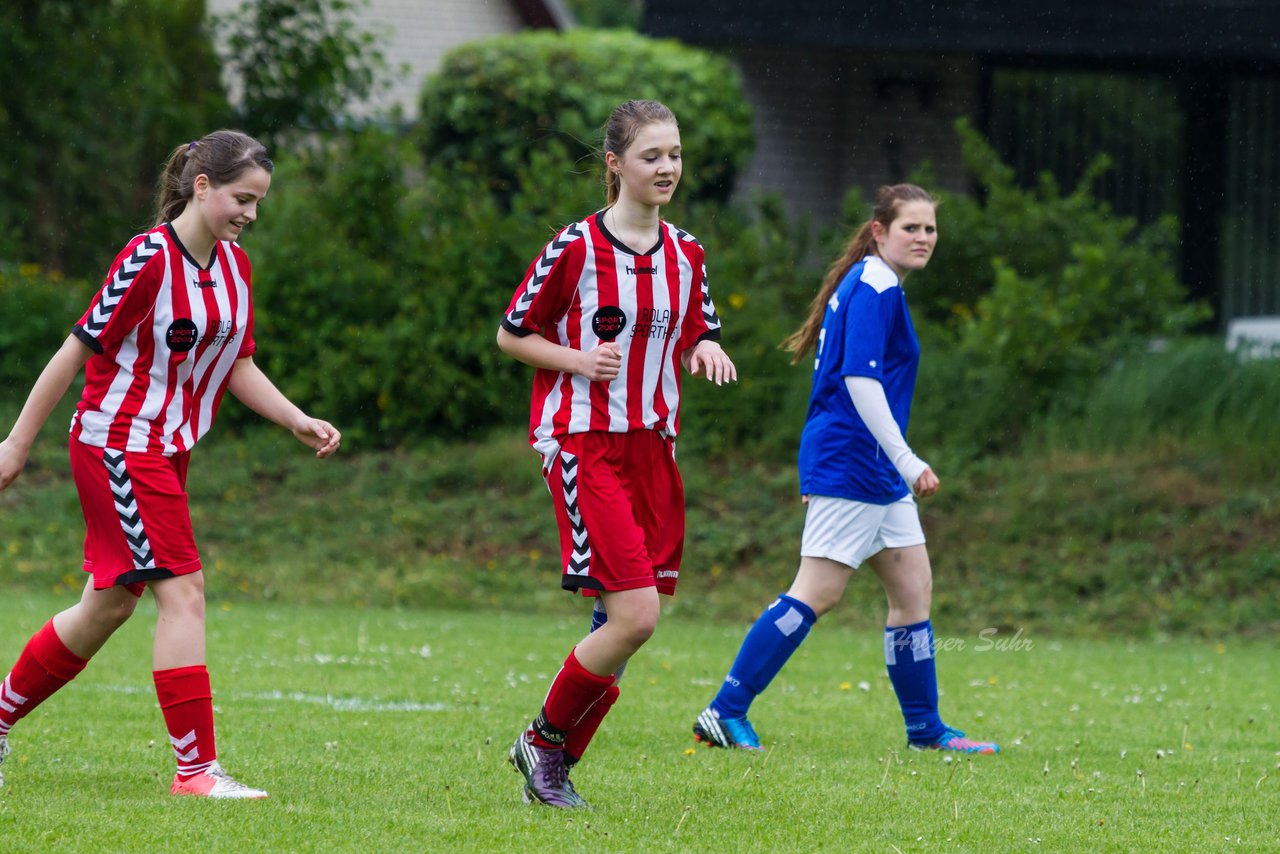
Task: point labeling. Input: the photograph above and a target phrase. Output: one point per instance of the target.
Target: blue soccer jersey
(867, 332)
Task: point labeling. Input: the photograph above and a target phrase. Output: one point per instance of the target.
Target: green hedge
(497, 102)
(389, 329)
(39, 307)
(1032, 294)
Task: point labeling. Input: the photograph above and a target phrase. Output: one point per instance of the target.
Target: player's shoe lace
(545, 775)
(715, 731)
(4, 751)
(954, 739)
(214, 782)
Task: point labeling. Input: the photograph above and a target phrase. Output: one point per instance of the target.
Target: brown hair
(861, 244)
(223, 155)
(620, 131)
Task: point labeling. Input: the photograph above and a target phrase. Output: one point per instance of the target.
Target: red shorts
(135, 513)
(619, 505)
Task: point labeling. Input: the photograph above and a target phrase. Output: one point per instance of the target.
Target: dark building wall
(1233, 31)
(828, 121)
(853, 94)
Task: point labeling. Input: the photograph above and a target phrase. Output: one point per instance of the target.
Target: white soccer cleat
(4, 751)
(213, 782)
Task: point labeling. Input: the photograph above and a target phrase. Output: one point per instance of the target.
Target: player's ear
(200, 186)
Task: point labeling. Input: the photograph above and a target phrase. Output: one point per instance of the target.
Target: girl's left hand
(710, 360)
(320, 435)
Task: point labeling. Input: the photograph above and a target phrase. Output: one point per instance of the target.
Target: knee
(640, 628)
(923, 595)
(823, 602)
(819, 599)
(116, 614)
(635, 627)
(181, 597)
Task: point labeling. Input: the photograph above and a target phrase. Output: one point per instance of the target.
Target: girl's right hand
(12, 461)
(603, 363)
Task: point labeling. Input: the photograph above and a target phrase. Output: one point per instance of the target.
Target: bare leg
(86, 625)
(180, 623)
(820, 583)
(633, 616)
(907, 578)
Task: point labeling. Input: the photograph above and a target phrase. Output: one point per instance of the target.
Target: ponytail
(859, 246)
(223, 156)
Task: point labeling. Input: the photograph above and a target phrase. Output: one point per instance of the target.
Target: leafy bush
(762, 287)
(1033, 232)
(496, 102)
(386, 321)
(389, 329)
(1193, 391)
(1033, 294)
(381, 279)
(44, 305)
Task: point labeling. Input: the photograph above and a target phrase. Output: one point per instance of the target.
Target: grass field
(1169, 538)
(387, 730)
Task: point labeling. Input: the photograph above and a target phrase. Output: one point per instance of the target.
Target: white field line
(338, 704)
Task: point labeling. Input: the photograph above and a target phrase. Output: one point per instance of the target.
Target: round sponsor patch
(608, 322)
(182, 335)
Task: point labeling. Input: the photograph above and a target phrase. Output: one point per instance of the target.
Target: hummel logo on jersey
(636, 271)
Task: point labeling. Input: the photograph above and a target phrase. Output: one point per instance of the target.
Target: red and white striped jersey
(165, 334)
(583, 286)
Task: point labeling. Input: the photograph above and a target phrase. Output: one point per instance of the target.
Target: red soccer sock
(573, 692)
(575, 743)
(44, 666)
(187, 702)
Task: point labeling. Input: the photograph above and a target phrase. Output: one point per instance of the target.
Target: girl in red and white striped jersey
(608, 314)
(169, 332)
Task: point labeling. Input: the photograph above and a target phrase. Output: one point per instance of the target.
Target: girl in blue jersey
(859, 479)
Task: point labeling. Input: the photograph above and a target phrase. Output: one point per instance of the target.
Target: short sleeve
(545, 294)
(869, 317)
(701, 321)
(126, 296)
(248, 346)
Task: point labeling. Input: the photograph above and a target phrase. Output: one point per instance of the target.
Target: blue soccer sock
(768, 644)
(908, 655)
(599, 616)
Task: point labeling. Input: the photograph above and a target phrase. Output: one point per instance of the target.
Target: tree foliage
(300, 65)
(95, 95)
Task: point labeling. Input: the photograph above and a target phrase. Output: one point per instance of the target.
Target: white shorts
(849, 532)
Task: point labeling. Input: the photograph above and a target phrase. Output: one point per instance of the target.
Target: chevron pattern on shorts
(542, 268)
(114, 290)
(580, 555)
(127, 510)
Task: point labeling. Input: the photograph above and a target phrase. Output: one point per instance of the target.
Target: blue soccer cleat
(714, 731)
